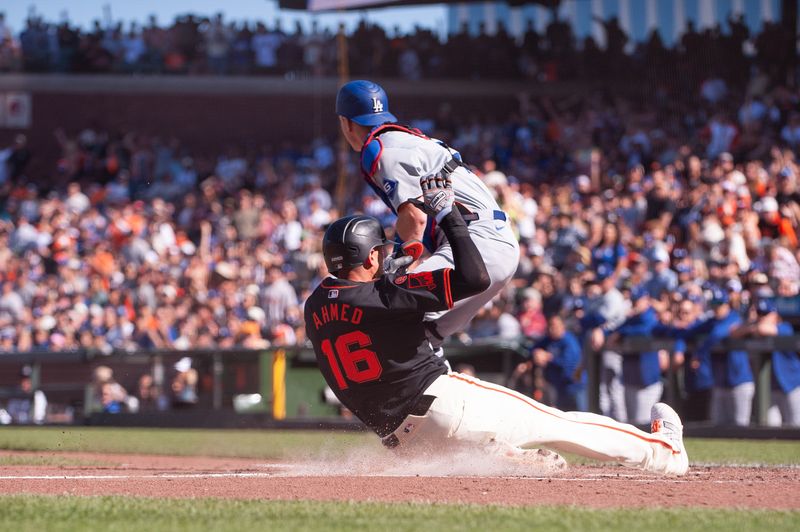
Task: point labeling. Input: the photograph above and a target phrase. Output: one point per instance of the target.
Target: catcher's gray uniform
(393, 159)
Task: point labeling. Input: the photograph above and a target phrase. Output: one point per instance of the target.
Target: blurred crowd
(673, 214)
(197, 44)
(185, 262)
(110, 397)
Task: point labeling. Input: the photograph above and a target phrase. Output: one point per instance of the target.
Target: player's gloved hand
(407, 254)
(437, 196)
(397, 263)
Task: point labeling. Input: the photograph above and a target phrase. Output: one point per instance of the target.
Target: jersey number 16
(359, 364)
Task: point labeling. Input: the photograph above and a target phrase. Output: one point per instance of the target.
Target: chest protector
(372, 148)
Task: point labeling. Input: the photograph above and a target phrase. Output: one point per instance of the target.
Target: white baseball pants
(470, 412)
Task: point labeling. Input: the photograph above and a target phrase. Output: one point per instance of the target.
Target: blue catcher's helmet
(364, 102)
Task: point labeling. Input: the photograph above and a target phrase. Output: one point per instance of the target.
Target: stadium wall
(208, 112)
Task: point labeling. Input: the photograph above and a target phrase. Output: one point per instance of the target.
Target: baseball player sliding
(371, 346)
(393, 159)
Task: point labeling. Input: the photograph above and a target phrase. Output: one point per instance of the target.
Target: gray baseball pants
(640, 399)
(785, 408)
(732, 406)
(612, 392)
(500, 252)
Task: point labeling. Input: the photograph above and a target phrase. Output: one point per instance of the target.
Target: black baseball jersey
(370, 342)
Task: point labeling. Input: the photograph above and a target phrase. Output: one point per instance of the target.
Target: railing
(225, 373)
(759, 350)
(66, 377)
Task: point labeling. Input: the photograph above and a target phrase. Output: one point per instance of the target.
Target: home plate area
(595, 486)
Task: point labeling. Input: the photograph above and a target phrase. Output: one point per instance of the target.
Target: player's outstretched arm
(469, 276)
(410, 222)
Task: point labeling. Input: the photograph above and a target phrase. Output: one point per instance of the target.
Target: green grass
(34, 513)
(278, 445)
(50, 460)
(743, 452)
(261, 444)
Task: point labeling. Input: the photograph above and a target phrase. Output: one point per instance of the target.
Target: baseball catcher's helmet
(348, 241)
(364, 102)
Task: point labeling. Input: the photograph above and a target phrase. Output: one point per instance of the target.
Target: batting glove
(397, 264)
(437, 196)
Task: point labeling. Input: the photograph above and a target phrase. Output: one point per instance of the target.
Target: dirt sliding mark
(158, 476)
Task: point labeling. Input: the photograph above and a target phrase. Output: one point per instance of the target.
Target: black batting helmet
(348, 241)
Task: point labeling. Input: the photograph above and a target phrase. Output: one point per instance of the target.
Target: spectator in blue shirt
(559, 355)
(785, 404)
(641, 374)
(697, 400)
(727, 373)
(610, 257)
(662, 279)
(565, 238)
(109, 402)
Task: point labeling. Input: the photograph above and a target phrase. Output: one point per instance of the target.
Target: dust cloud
(371, 460)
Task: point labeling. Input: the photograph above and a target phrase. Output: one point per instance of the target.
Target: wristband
(441, 214)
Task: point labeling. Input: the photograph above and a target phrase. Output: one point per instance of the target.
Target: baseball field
(135, 479)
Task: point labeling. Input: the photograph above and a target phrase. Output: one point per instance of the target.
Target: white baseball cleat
(666, 422)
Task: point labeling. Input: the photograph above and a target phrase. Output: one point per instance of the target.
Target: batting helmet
(364, 102)
(349, 240)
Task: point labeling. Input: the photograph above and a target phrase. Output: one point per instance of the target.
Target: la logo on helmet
(377, 106)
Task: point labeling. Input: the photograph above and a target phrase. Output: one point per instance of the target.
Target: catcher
(393, 158)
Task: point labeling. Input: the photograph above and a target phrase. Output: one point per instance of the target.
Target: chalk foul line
(285, 474)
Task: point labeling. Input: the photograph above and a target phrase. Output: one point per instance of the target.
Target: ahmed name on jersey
(363, 334)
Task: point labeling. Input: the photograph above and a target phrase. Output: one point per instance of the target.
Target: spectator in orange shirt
(772, 223)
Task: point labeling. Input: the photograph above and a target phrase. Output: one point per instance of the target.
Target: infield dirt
(596, 486)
